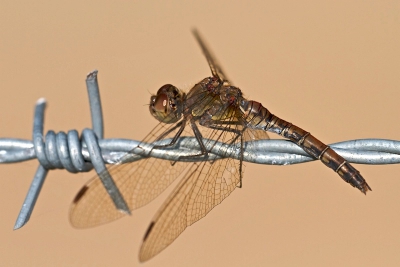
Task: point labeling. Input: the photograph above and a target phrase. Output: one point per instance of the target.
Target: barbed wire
(81, 154)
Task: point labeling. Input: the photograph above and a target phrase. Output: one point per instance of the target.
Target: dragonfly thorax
(167, 105)
(231, 95)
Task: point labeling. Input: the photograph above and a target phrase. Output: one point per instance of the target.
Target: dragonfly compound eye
(166, 105)
(161, 103)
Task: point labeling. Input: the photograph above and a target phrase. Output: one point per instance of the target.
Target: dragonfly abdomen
(258, 117)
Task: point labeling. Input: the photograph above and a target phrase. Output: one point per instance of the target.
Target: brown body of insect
(259, 117)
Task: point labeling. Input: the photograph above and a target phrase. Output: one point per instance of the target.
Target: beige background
(331, 67)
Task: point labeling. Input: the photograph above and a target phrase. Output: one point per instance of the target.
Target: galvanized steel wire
(81, 153)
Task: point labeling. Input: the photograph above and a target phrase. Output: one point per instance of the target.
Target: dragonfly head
(166, 106)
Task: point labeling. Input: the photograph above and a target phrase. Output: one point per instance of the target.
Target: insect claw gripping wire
(68, 151)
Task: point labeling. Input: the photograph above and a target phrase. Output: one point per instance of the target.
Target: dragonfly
(214, 111)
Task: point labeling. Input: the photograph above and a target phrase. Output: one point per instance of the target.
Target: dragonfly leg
(241, 162)
(199, 138)
(181, 125)
(226, 129)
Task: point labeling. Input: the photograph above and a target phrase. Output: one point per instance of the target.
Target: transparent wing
(216, 69)
(139, 182)
(204, 186)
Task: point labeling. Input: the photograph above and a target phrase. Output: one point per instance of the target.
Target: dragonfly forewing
(215, 67)
(139, 182)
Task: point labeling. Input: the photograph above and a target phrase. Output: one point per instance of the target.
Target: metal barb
(62, 151)
(67, 151)
(31, 197)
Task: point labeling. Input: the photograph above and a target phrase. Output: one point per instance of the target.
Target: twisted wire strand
(83, 153)
(271, 152)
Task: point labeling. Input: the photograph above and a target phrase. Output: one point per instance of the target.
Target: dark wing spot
(148, 231)
(80, 194)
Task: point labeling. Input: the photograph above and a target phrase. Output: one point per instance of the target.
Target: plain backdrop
(330, 67)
